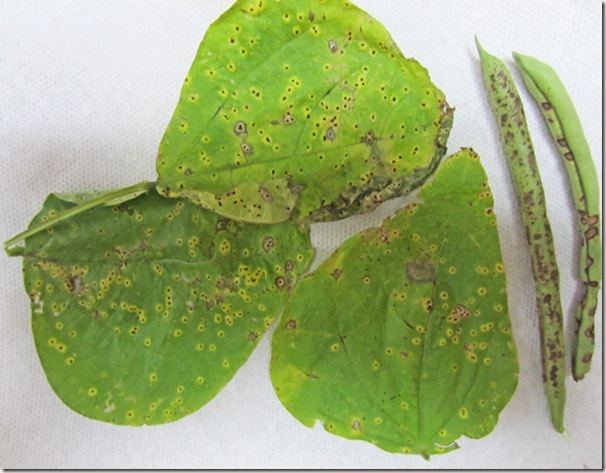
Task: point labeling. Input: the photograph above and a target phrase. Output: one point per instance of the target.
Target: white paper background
(86, 90)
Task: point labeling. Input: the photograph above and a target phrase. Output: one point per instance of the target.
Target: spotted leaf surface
(143, 311)
(402, 337)
(301, 110)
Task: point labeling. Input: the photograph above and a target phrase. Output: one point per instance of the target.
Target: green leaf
(402, 337)
(142, 312)
(307, 111)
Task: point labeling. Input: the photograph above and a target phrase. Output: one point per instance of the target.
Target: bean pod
(565, 127)
(515, 138)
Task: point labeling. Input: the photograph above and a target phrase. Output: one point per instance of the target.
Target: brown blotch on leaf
(265, 194)
(421, 270)
(336, 273)
(288, 118)
(252, 336)
(384, 238)
(281, 282)
(330, 135)
(291, 324)
(246, 148)
(268, 244)
(240, 128)
(458, 313)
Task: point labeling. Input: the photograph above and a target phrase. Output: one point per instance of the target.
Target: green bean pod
(515, 138)
(565, 127)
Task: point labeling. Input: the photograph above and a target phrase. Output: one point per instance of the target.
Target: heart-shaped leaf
(299, 109)
(142, 312)
(402, 337)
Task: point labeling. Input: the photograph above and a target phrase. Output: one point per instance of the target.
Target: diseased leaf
(142, 312)
(402, 337)
(303, 110)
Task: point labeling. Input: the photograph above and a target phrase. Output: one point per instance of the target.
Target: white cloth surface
(86, 90)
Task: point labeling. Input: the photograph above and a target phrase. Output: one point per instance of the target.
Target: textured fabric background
(86, 90)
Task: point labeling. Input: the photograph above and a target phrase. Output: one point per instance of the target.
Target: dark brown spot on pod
(593, 220)
(569, 156)
(563, 143)
(591, 233)
(546, 106)
(587, 358)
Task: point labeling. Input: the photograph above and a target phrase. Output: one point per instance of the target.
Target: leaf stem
(124, 193)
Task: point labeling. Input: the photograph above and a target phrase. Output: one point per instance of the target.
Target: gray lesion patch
(421, 270)
(331, 134)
